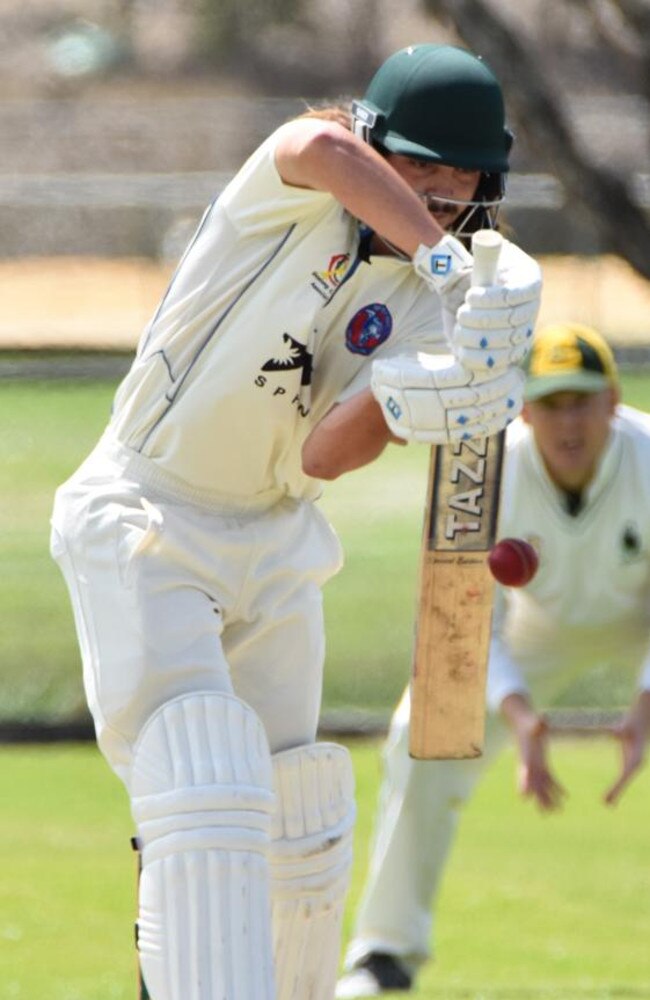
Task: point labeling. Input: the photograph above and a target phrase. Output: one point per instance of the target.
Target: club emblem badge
(368, 329)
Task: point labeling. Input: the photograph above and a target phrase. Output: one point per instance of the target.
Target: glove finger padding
(436, 400)
(495, 319)
(519, 279)
(478, 318)
(424, 371)
(491, 340)
(516, 292)
(440, 371)
(498, 359)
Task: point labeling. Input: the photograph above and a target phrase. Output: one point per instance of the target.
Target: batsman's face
(571, 430)
(438, 185)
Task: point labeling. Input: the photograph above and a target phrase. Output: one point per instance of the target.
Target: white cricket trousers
(419, 809)
(170, 597)
(420, 805)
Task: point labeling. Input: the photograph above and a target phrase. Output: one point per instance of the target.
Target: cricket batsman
(191, 541)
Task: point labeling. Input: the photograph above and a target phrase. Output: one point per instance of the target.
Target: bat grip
(486, 247)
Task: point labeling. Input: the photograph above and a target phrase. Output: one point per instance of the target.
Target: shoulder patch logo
(326, 282)
(335, 271)
(368, 328)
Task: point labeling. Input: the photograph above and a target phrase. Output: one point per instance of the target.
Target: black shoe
(375, 974)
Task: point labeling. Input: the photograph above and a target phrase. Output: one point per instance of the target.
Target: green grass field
(532, 908)
(47, 427)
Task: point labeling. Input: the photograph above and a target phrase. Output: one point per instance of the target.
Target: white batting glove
(446, 268)
(494, 326)
(437, 401)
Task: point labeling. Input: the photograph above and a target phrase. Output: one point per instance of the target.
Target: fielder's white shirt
(589, 603)
(270, 319)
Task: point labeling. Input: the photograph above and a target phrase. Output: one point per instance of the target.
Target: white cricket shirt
(589, 603)
(270, 319)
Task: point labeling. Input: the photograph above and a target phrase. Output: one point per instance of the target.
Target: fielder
(190, 539)
(577, 486)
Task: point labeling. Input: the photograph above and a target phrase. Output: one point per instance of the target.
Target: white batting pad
(202, 799)
(311, 857)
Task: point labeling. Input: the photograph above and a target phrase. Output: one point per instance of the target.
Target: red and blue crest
(368, 329)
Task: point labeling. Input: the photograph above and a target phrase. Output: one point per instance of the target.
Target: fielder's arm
(632, 734)
(535, 778)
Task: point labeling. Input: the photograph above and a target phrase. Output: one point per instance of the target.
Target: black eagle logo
(296, 356)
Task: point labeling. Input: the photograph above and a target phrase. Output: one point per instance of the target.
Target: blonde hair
(340, 113)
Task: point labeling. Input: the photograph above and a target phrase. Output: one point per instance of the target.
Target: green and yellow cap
(568, 357)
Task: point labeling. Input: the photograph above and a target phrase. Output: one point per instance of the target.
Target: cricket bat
(455, 594)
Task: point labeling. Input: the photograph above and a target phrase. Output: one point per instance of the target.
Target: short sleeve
(257, 197)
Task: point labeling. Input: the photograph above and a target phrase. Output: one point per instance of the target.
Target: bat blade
(455, 601)
(455, 595)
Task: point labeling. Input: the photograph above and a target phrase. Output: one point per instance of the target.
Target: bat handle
(486, 247)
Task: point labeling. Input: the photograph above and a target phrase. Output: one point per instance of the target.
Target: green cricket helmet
(443, 104)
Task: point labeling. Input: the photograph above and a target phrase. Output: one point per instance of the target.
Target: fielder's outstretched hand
(535, 778)
(632, 735)
(530, 729)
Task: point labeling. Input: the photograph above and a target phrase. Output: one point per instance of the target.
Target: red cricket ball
(513, 562)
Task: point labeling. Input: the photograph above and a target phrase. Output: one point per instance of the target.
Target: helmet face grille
(480, 212)
(440, 103)
(478, 215)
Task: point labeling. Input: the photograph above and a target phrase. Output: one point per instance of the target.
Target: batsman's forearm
(327, 157)
(351, 435)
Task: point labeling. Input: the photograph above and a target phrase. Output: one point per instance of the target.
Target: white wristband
(442, 264)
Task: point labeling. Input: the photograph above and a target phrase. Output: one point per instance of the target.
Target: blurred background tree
(122, 119)
(543, 52)
(576, 75)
